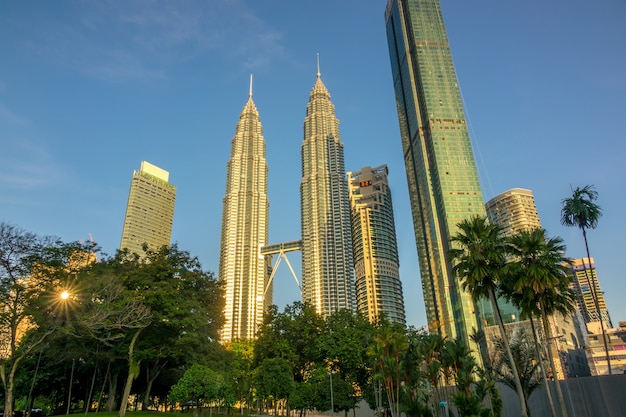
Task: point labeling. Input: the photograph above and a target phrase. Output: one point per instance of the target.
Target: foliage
(198, 384)
(480, 258)
(33, 272)
(273, 379)
(526, 361)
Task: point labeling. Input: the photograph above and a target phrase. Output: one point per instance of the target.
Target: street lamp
(332, 405)
(65, 295)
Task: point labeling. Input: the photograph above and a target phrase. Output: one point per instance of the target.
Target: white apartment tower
(514, 210)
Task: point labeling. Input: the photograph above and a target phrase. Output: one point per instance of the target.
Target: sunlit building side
(242, 268)
(327, 268)
(150, 210)
(375, 248)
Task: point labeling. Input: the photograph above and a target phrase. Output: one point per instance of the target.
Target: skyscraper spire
(319, 74)
(244, 229)
(327, 274)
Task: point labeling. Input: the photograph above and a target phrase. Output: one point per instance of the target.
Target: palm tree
(538, 282)
(524, 354)
(580, 211)
(479, 258)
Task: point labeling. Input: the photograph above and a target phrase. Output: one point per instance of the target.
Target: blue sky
(89, 89)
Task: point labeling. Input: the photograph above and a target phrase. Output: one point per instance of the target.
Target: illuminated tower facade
(375, 249)
(514, 210)
(440, 167)
(150, 210)
(327, 275)
(244, 230)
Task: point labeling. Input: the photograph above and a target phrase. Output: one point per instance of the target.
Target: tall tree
(185, 303)
(387, 351)
(538, 282)
(479, 256)
(580, 211)
(33, 272)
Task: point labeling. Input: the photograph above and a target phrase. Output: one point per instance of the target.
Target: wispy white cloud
(144, 40)
(26, 166)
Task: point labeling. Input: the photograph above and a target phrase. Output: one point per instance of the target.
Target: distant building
(596, 355)
(244, 230)
(585, 278)
(150, 210)
(327, 268)
(376, 262)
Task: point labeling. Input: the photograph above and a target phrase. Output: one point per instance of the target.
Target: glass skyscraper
(244, 230)
(375, 248)
(150, 210)
(327, 274)
(440, 167)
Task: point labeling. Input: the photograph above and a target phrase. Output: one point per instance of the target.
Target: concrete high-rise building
(514, 210)
(375, 248)
(150, 210)
(244, 230)
(443, 180)
(584, 279)
(327, 274)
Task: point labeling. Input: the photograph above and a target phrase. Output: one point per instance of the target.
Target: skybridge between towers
(281, 250)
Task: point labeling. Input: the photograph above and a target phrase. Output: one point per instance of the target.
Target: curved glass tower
(244, 230)
(327, 276)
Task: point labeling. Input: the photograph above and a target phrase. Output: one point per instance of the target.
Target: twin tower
(333, 206)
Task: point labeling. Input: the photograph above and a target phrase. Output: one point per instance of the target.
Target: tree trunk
(69, 390)
(151, 376)
(112, 390)
(548, 333)
(505, 340)
(89, 398)
(133, 372)
(596, 303)
(543, 368)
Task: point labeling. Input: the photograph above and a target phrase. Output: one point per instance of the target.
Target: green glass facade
(441, 171)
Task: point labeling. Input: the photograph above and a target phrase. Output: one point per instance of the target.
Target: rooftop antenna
(318, 65)
(250, 94)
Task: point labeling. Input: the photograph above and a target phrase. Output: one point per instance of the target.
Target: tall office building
(441, 172)
(375, 249)
(584, 278)
(150, 210)
(244, 230)
(514, 210)
(327, 274)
